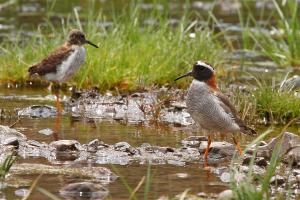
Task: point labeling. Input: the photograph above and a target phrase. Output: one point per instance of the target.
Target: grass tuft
(6, 165)
(277, 106)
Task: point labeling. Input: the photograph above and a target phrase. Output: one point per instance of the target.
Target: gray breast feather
(206, 110)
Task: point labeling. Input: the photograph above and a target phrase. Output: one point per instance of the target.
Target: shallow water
(166, 179)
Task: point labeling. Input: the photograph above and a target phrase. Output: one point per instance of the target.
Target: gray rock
(193, 141)
(219, 151)
(179, 105)
(38, 111)
(158, 149)
(277, 180)
(219, 170)
(122, 146)
(261, 161)
(289, 141)
(95, 145)
(11, 141)
(8, 136)
(202, 195)
(21, 192)
(296, 171)
(125, 147)
(292, 83)
(293, 156)
(66, 145)
(225, 195)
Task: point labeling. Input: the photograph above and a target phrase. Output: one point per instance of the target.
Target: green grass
(6, 165)
(277, 106)
(132, 55)
(270, 102)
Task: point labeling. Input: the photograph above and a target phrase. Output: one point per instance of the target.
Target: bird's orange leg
(57, 127)
(238, 147)
(206, 151)
(58, 104)
(58, 117)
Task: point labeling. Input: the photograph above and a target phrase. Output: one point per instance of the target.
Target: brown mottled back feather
(230, 109)
(49, 64)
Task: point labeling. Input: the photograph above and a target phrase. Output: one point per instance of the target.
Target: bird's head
(202, 72)
(77, 37)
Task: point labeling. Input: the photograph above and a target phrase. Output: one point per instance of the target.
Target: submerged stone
(100, 174)
(38, 111)
(85, 190)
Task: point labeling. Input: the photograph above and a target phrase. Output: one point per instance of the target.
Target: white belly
(68, 67)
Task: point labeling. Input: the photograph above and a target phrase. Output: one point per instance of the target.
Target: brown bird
(64, 62)
(210, 108)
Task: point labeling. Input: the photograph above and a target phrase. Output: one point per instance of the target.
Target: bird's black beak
(92, 44)
(185, 75)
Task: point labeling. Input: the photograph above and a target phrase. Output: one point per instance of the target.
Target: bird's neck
(212, 83)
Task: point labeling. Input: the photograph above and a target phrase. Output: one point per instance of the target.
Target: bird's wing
(50, 63)
(232, 112)
(225, 104)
